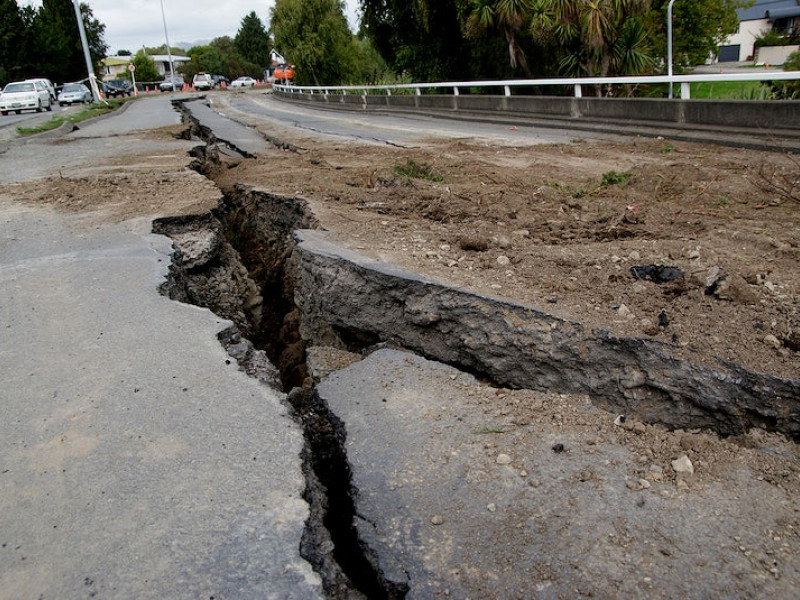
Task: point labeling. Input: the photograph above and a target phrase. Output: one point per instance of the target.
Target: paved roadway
(137, 461)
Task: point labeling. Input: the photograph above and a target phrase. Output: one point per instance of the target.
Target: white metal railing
(576, 83)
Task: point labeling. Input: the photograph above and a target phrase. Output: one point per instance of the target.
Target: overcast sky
(131, 24)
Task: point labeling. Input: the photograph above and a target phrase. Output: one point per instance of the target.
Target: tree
(507, 17)
(11, 37)
(698, 28)
(598, 38)
(146, 70)
(314, 35)
(423, 38)
(252, 41)
(59, 52)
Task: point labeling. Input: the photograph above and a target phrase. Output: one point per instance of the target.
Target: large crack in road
(283, 290)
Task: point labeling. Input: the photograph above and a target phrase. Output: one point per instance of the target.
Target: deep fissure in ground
(237, 261)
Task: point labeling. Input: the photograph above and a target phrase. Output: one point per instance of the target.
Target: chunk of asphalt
(444, 512)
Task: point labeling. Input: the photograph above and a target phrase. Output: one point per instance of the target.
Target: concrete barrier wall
(782, 115)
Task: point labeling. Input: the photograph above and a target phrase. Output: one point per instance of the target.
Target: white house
(764, 15)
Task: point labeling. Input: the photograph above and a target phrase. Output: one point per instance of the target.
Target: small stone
(437, 520)
(693, 254)
(558, 448)
(644, 484)
(503, 261)
(773, 341)
(624, 312)
(503, 459)
(632, 485)
(491, 507)
(639, 428)
(503, 242)
(634, 255)
(683, 465)
(534, 483)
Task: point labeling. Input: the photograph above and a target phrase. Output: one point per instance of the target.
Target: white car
(74, 92)
(25, 95)
(243, 82)
(48, 85)
(201, 81)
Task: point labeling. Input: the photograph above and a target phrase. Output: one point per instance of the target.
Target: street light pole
(169, 49)
(669, 45)
(86, 55)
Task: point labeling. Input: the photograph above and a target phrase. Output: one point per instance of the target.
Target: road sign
(131, 67)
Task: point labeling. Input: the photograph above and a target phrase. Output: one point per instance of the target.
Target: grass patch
(615, 178)
(415, 170)
(94, 110)
(730, 90)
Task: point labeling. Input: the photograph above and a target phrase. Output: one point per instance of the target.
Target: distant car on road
(175, 84)
(220, 80)
(25, 95)
(72, 93)
(48, 85)
(201, 81)
(117, 87)
(243, 82)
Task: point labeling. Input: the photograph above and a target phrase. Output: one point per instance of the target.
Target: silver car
(74, 92)
(25, 95)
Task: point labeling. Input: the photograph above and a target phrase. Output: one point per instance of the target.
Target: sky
(131, 24)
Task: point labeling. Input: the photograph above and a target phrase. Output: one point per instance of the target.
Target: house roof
(768, 9)
(165, 58)
(114, 61)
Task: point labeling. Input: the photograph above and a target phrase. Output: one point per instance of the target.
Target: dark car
(173, 84)
(117, 87)
(220, 80)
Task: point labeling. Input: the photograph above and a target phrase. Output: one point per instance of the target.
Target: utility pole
(86, 55)
(169, 49)
(669, 45)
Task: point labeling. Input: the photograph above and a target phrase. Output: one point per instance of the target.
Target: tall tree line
(45, 42)
(449, 39)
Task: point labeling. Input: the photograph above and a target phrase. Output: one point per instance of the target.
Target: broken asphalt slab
(456, 496)
(139, 460)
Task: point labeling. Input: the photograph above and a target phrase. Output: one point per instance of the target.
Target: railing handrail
(577, 83)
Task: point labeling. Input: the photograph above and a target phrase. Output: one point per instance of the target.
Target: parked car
(220, 80)
(25, 95)
(74, 92)
(117, 87)
(201, 81)
(48, 85)
(243, 82)
(283, 73)
(173, 84)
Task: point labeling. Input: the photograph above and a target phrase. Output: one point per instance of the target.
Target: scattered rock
(437, 520)
(503, 242)
(503, 459)
(558, 448)
(503, 261)
(656, 273)
(773, 341)
(474, 244)
(683, 465)
(624, 312)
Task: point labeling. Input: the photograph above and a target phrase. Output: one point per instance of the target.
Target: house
(763, 16)
(115, 67)
(162, 62)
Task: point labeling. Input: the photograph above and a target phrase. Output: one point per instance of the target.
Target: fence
(770, 116)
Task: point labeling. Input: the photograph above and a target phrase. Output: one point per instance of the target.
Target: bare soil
(560, 227)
